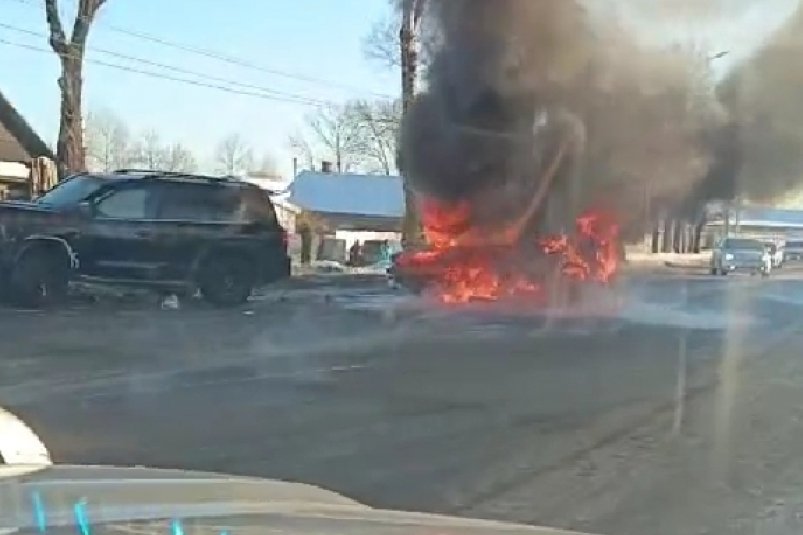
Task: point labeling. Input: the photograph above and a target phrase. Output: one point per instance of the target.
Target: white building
(19, 147)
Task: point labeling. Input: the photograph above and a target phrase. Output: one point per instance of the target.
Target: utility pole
(409, 41)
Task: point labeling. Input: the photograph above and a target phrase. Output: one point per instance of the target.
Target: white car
(793, 251)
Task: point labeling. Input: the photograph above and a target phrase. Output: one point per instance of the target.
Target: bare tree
(107, 141)
(267, 165)
(335, 132)
(179, 158)
(378, 124)
(149, 152)
(381, 44)
(401, 41)
(70, 147)
(234, 156)
(302, 148)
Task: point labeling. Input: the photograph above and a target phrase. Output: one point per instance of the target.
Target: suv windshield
(743, 244)
(71, 191)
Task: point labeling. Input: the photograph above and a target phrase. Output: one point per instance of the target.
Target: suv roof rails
(155, 173)
(133, 171)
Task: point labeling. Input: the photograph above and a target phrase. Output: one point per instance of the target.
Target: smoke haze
(514, 81)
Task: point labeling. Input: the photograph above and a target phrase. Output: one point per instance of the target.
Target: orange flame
(463, 263)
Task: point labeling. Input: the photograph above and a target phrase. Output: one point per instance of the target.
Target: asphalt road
(673, 406)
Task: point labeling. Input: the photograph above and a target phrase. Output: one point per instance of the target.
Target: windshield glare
(71, 191)
(743, 244)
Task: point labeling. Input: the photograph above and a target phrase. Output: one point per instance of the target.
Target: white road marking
(19, 445)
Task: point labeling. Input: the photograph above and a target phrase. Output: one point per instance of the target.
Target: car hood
(66, 498)
(23, 206)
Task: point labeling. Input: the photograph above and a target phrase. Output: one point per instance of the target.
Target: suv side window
(200, 202)
(126, 203)
(259, 208)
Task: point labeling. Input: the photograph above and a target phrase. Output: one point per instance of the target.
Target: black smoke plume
(515, 83)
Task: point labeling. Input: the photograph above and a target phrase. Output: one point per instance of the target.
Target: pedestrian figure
(355, 254)
(384, 252)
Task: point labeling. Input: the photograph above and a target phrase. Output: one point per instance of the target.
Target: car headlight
(728, 256)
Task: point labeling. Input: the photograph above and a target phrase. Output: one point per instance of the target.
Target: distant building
(761, 222)
(364, 208)
(351, 202)
(20, 147)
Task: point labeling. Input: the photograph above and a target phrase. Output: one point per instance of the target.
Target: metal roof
(333, 193)
(18, 141)
(759, 216)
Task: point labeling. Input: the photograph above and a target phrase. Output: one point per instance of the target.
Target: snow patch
(19, 444)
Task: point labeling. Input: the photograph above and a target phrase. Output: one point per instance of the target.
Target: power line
(222, 57)
(162, 76)
(291, 96)
(240, 62)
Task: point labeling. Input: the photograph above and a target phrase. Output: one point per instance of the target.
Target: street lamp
(719, 55)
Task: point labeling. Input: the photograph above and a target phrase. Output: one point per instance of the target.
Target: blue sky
(312, 38)
(321, 39)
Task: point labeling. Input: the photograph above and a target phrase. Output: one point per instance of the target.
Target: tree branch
(418, 11)
(83, 20)
(58, 41)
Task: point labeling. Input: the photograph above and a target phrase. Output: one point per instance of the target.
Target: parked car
(741, 254)
(793, 251)
(168, 231)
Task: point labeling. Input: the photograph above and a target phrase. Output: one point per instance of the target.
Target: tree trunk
(677, 236)
(698, 237)
(70, 146)
(411, 226)
(656, 238)
(669, 232)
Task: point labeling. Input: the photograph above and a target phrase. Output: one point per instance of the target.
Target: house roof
(760, 216)
(18, 141)
(333, 193)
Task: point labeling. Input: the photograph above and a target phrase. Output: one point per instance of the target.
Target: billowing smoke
(759, 151)
(518, 86)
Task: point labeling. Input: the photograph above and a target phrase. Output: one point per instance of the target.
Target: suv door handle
(143, 234)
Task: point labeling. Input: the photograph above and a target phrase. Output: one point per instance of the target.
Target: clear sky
(313, 38)
(319, 39)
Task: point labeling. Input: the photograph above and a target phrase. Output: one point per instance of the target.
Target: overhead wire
(162, 76)
(301, 99)
(211, 54)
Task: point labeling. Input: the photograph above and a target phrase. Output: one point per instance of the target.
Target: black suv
(167, 231)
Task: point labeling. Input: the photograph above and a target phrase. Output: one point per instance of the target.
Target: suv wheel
(39, 279)
(226, 281)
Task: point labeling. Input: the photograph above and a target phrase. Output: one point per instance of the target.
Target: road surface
(675, 407)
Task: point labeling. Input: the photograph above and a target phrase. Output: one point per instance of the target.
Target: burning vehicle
(494, 160)
(543, 135)
(460, 264)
